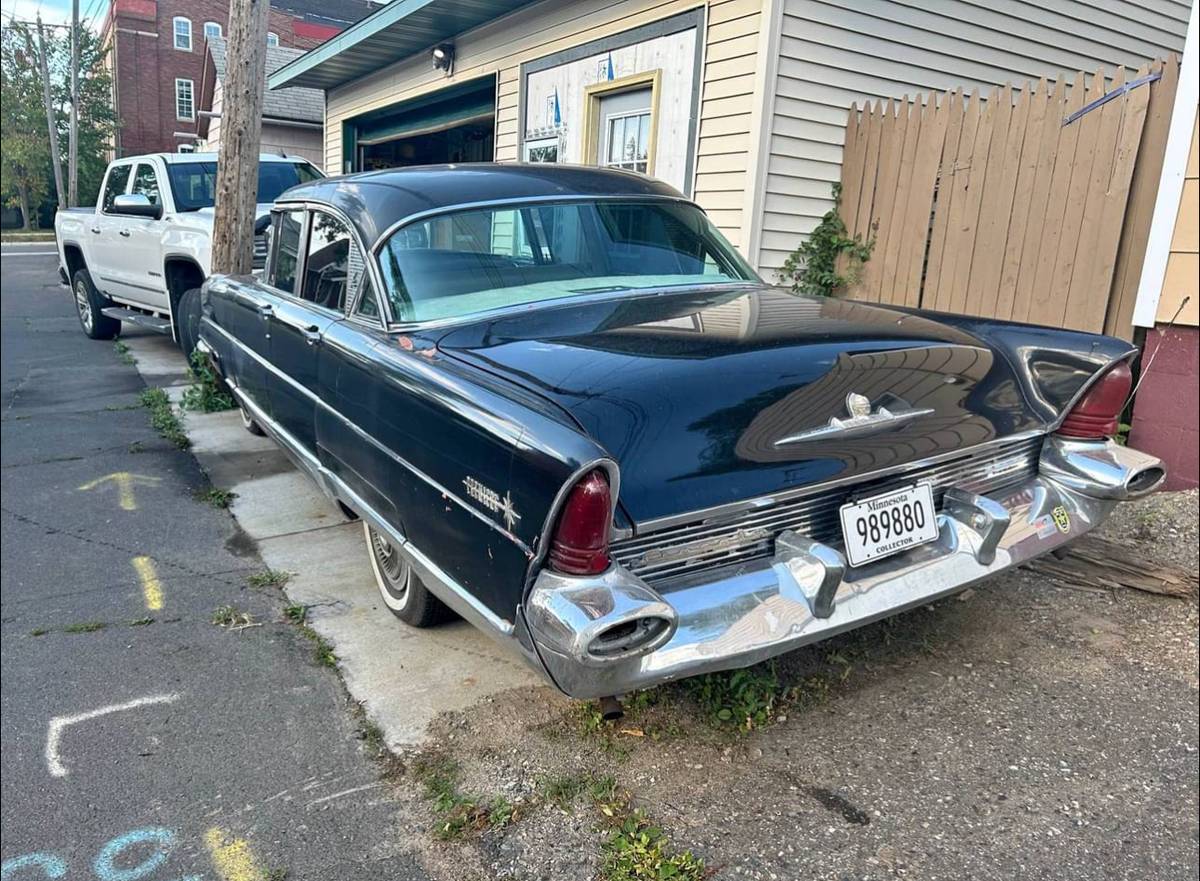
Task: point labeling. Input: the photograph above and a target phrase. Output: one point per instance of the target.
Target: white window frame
(218, 31)
(191, 87)
(272, 39)
(176, 34)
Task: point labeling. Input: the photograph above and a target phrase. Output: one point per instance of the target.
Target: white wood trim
(1170, 185)
(761, 122)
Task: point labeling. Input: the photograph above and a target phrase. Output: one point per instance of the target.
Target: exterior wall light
(443, 58)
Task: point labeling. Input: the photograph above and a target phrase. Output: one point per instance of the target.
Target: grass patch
(269, 578)
(215, 496)
(123, 354)
(207, 393)
(84, 627)
(296, 613)
(745, 699)
(137, 447)
(163, 418)
(141, 622)
(638, 850)
(322, 650)
(458, 815)
(231, 616)
(39, 631)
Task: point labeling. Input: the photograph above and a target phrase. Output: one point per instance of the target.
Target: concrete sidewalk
(403, 676)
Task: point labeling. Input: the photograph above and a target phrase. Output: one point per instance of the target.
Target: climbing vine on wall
(813, 267)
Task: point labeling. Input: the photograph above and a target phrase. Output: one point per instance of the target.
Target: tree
(24, 146)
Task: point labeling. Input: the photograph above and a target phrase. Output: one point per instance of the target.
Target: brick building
(157, 54)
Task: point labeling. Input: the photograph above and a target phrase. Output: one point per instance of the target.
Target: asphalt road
(139, 739)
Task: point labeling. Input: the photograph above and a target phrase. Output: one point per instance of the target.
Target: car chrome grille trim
(679, 551)
(260, 251)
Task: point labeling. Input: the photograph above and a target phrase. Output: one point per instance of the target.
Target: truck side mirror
(136, 205)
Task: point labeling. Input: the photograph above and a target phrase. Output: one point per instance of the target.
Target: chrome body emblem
(859, 423)
(493, 501)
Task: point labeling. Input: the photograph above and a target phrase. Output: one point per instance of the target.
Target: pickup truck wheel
(401, 590)
(188, 321)
(88, 303)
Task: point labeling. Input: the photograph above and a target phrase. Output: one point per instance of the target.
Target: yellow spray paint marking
(125, 482)
(231, 856)
(151, 586)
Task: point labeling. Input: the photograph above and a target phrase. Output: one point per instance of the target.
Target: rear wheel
(248, 422)
(88, 303)
(402, 592)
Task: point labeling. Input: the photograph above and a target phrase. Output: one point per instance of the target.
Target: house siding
(835, 52)
(502, 46)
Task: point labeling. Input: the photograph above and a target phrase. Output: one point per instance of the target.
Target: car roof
(375, 201)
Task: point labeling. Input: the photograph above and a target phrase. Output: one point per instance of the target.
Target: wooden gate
(1032, 205)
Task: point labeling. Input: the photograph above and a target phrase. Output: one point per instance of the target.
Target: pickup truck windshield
(194, 184)
(467, 262)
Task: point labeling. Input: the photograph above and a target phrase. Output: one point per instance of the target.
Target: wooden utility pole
(73, 131)
(241, 131)
(50, 120)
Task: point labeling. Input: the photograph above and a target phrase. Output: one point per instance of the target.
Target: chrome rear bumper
(806, 593)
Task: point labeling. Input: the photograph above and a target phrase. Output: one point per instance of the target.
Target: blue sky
(55, 11)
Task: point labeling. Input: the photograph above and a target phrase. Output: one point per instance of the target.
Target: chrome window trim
(395, 326)
(765, 501)
(309, 205)
(371, 439)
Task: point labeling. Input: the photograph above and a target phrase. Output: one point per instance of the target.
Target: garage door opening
(452, 125)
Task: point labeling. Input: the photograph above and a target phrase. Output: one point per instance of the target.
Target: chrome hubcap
(83, 305)
(393, 568)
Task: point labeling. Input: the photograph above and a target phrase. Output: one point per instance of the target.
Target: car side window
(327, 263)
(289, 225)
(114, 184)
(145, 182)
(368, 303)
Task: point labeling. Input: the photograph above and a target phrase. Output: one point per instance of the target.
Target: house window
(185, 107)
(620, 121)
(183, 33)
(272, 39)
(628, 141)
(212, 30)
(541, 150)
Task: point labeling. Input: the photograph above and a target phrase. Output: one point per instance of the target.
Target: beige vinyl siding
(835, 52)
(1183, 265)
(501, 46)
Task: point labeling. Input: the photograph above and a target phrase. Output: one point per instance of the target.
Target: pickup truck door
(317, 299)
(141, 244)
(101, 243)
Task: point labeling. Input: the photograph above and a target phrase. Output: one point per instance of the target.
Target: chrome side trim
(440, 583)
(398, 459)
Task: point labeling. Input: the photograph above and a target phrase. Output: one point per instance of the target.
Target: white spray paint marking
(59, 723)
(344, 792)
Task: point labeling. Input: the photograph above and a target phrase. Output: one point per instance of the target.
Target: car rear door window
(290, 225)
(327, 264)
(114, 185)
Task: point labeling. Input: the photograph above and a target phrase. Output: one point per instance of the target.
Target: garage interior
(452, 125)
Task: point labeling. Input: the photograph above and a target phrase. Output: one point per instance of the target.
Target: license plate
(889, 523)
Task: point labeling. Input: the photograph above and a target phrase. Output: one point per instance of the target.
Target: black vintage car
(566, 409)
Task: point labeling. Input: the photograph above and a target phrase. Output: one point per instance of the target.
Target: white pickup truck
(148, 241)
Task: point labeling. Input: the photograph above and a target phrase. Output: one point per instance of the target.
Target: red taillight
(1097, 414)
(580, 545)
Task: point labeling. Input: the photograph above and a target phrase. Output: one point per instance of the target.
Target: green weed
(268, 578)
(163, 417)
(215, 496)
(85, 627)
(745, 699)
(638, 850)
(458, 815)
(231, 616)
(207, 393)
(123, 353)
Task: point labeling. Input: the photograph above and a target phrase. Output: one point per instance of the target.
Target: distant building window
(212, 30)
(185, 104)
(187, 148)
(272, 39)
(183, 33)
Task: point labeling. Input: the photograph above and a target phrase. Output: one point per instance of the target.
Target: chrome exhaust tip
(1101, 469)
(598, 620)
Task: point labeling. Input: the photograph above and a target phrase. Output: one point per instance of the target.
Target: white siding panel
(835, 52)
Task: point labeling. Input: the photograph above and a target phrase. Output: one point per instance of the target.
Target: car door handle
(123, 232)
(96, 230)
(311, 334)
(266, 310)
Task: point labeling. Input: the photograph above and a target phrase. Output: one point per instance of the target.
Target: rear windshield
(194, 184)
(474, 261)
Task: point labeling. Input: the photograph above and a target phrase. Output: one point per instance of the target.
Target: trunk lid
(711, 396)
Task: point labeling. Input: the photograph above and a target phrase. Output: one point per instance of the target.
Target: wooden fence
(1032, 205)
